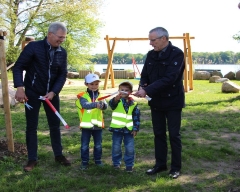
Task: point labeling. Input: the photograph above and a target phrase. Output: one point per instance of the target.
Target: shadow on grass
(231, 100)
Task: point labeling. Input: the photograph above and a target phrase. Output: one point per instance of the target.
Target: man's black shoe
(174, 174)
(156, 169)
(62, 160)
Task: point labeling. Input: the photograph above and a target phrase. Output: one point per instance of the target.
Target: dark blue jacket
(42, 74)
(164, 78)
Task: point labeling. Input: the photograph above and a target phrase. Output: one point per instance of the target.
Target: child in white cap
(91, 120)
(124, 126)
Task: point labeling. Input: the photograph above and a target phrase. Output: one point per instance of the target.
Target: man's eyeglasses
(60, 37)
(152, 40)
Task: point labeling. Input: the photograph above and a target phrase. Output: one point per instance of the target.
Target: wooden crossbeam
(142, 39)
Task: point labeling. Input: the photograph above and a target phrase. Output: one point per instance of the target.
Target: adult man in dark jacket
(161, 79)
(45, 63)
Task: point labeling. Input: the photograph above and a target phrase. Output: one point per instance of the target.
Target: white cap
(91, 77)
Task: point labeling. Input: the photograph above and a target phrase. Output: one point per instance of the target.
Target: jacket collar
(49, 47)
(164, 53)
(129, 100)
(93, 94)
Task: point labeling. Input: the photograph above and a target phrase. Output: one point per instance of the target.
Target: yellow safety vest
(122, 119)
(89, 117)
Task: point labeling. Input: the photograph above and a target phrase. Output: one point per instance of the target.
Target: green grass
(10, 75)
(210, 138)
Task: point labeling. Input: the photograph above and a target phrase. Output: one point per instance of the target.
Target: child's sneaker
(129, 169)
(100, 164)
(116, 167)
(83, 167)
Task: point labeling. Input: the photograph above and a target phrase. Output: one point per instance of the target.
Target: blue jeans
(128, 140)
(32, 124)
(97, 150)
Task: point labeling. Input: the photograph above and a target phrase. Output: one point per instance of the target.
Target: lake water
(224, 68)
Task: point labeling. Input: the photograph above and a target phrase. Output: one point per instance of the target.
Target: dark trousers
(161, 120)
(32, 124)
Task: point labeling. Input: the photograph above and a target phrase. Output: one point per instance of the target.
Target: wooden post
(189, 54)
(5, 93)
(109, 67)
(186, 70)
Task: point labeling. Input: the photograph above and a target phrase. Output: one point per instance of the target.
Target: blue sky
(211, 22)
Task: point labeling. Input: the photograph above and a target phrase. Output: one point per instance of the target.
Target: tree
(32, 18)
(237, 36)
(237, 58)
(226, 56)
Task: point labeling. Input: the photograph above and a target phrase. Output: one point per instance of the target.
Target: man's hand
(50, 95)
(141, 86)
(20, 95)
(140, 93)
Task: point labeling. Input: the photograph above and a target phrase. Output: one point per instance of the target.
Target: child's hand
(100, 105)
(134, 133)
(118, 97)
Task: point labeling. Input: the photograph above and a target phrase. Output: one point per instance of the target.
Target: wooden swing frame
(188, 72)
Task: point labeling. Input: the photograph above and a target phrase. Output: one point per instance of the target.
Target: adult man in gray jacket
(161, 79)
(45, 63)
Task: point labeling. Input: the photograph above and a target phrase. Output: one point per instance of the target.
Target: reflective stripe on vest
(91, 124)
(117, 114)
(120, 118)
(89, 117)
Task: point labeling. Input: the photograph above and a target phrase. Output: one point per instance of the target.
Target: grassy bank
(211, 149)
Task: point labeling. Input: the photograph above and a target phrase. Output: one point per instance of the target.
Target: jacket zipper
(49, 68)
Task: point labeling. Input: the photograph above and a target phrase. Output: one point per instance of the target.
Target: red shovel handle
(50, 105)
(101, 98)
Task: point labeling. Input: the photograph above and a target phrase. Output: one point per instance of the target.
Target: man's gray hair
(160, 32)
(55, 26)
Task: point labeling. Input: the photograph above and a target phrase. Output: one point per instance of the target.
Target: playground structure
(188, 72)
